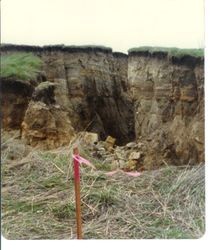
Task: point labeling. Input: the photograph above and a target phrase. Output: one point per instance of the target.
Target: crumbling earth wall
(153, 99)
(168, 98)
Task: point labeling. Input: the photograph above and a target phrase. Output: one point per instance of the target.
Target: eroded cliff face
(99, 94)
(97, 90)
(169, 107)
(153, 99)
(91, 86)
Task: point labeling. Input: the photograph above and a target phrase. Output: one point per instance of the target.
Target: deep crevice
(114, 117)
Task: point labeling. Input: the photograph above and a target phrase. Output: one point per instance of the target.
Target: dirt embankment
(94, 89)
(169, 106)
(153, 99)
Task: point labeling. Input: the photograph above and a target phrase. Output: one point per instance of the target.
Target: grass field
(38, 200)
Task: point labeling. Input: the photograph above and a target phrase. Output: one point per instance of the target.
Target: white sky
(120, 24)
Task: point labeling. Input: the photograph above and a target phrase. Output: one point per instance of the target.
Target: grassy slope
(38, 201)
(176, 52)
(20, 66)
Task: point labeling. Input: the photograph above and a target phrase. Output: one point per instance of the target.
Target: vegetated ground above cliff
(38, 200)
(175, 52)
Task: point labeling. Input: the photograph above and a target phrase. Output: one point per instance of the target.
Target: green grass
(23, 206)
(176, 52)
(64, 211)
(106, 197)
(20, 66)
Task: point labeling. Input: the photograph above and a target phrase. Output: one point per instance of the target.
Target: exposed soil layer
(15, 96)
(149, 98)
(169, 108)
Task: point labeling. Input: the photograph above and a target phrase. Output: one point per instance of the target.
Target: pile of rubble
(129, 157)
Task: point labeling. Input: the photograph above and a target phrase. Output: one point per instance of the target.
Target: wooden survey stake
(77, 193)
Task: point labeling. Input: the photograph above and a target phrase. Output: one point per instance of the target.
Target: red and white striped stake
(77, 192)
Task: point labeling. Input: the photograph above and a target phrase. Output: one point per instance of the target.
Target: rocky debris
(131, 164)
(117, 157)
(89, 138)
(131, 145)
(109, 143)
(145, 155)
(135, 156)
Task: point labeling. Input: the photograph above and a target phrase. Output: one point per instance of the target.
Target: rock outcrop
(155, 99)
(46, 123)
